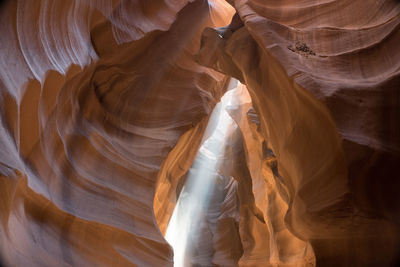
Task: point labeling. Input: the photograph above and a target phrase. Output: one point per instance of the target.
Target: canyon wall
(92, 104)
(104, 105)
(324, 80)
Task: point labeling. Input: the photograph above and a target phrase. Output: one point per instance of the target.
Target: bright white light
(200, 182)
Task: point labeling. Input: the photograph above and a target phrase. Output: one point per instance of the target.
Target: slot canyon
(199, 133)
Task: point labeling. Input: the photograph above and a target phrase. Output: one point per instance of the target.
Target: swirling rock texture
(104, 104)
(327, 96)
(81, 150)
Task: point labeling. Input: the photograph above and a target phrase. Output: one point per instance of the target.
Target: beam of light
(200, 182)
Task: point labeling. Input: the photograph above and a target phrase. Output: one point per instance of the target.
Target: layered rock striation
(104, 105)
(327, 100)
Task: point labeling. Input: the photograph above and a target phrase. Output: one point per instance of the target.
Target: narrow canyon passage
(227, 133)
(227, 198)
(193, 221)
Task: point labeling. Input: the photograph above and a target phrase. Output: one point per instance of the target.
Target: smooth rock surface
(104, 104)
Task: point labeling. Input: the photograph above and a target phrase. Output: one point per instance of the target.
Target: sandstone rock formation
(104, 105)
(328, 106)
